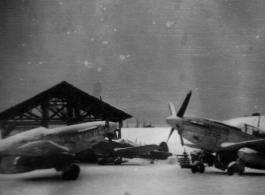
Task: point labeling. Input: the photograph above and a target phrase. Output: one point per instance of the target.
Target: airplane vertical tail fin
(163, 147)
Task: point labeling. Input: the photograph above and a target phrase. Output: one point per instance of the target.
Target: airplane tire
(194, 169)
(117, 162)
(240, 172)
(231, 171)
(72, 173)
(102, 161)
(201, 168)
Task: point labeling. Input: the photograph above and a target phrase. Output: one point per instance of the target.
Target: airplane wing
(132, 152)
(258, 145)
(39, 148)
(160, 155)
(192, 146)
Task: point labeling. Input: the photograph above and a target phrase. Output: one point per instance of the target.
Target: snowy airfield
(136, 177)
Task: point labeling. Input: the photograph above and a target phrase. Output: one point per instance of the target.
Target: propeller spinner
(176, 120)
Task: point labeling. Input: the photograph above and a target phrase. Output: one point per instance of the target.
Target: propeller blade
(172, 130)
(180, 135)
(172, 109)
(181, 139)
(184, 106)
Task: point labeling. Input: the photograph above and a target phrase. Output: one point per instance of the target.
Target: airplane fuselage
(72, 139)
(209, 135)
(76, 137)
(237, 142)
(81, 140)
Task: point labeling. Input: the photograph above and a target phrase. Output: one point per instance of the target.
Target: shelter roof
(88, 103)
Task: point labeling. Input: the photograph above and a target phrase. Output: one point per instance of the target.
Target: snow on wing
(39, 148)
(258, 145)
(192, 146)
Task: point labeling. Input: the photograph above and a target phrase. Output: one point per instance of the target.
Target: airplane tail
(163, 147)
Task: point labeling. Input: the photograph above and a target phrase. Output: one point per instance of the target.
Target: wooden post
(77, 111)
(70, 113)
(45, 114)
(119, 131)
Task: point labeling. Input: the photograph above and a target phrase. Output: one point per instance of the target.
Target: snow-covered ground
(133, 178)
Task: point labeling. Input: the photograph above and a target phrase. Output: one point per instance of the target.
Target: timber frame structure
(62, 104)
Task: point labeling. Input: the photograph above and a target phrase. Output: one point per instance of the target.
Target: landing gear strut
(198, 166)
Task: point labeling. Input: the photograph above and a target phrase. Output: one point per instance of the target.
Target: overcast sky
(145, 53)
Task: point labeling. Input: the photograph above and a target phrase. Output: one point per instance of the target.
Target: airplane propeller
(178, 116)
(181, 138)
(184, 106)
(172, 130)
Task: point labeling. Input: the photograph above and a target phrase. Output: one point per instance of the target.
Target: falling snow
(169, 24)
(151, 50)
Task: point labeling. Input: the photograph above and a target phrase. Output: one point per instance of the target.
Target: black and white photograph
(132, 97)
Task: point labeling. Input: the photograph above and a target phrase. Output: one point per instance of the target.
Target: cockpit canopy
(252, 130)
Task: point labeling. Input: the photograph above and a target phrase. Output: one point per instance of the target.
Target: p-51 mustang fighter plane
(229, 145)
(127, 149)
(43, 148)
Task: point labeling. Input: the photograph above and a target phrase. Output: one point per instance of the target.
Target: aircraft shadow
(244, 174)
(253, 174)
(48, 178)
(131, 164)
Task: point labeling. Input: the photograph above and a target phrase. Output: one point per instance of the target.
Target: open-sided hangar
(62, 104)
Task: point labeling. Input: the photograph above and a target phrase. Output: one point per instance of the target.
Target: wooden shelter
(62, 104)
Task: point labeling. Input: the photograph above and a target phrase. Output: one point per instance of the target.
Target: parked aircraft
(162, 153)
(127, 149)
(43, 148)
(229, 145)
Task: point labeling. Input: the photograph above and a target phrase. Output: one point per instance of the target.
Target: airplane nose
(174, 121)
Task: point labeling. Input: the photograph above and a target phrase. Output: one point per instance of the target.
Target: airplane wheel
(194, 169)
(102, 161)
(117, 162)
(231, 170)
(201, 168)
(72, 173)
(240, 172)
